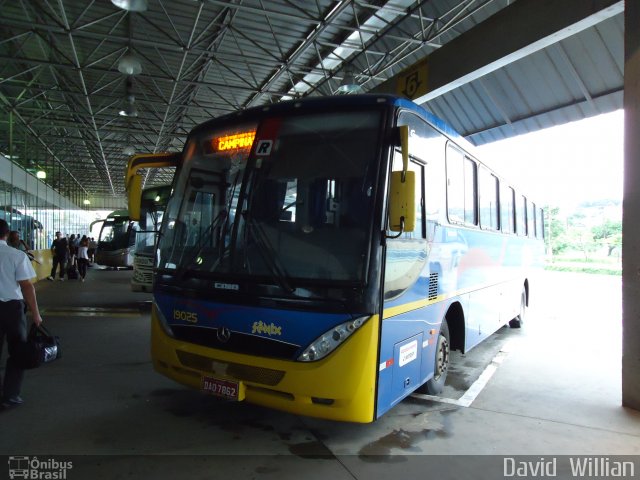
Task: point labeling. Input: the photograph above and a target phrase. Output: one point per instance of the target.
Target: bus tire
(435, 384)
(519, 320)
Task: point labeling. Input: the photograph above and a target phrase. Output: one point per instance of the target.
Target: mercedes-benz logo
(224, 334)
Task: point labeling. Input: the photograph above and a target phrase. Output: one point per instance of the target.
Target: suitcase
(72, 273)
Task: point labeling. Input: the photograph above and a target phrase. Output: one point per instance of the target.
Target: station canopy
(84, 84)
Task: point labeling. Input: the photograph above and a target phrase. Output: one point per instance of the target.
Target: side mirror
(402, 202)
(402, 191)
(133, 181)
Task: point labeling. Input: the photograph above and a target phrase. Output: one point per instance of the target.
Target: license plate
(223, 388)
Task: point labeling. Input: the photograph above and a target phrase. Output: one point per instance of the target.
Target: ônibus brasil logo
(33, 468)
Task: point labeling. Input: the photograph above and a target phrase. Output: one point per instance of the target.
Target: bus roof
(336, 101)
(118, 213)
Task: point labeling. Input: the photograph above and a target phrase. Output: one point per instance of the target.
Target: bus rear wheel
(519, 320)
(435, 384)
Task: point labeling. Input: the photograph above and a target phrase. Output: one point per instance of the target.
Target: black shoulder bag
(40, 347)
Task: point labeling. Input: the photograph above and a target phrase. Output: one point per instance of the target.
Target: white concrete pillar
(631, 210)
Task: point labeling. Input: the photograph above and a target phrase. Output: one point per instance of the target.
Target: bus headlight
(162, 320)
(330, 340)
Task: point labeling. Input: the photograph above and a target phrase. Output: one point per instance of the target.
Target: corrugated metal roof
(61, 89)
(575, 78)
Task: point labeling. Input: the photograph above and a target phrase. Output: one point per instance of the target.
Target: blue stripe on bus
(290, 326)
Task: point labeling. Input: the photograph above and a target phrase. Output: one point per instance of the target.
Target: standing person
(60, 251)
(15, 241)
(92, 250)
(73, 249)
(76, 244)
(15, 289)
(83, 257)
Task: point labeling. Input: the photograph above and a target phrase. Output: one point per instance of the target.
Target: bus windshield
(115, 232)
(145, 241)
(282, 200)
(152, 206)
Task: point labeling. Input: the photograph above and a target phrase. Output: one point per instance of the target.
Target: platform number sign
(412, 82)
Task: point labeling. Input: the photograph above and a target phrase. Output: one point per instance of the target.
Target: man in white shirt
(16, 289)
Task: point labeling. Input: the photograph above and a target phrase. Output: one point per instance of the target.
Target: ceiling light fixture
(86, 202)
(131, 5)
(41, 174)
(129, 150)
(129, 109)
(348, 83)
(130, 64)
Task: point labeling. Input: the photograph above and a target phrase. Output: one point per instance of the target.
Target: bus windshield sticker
(264, 147)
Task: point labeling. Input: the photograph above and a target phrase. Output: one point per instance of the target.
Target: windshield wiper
(202, 241)
(268, 254)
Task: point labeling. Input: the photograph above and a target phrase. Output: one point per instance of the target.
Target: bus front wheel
(435, 384)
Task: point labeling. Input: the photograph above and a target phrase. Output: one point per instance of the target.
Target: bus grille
(433, 285)
(238, 342)
(265, 376)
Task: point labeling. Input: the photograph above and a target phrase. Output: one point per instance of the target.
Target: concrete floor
(555, 392)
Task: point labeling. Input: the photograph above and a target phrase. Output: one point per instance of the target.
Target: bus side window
(521, 215)
(488, 202)
(507, 219)
(426, 145)
(531, 224)
(540, 223)
(470, 191)
(461, 187)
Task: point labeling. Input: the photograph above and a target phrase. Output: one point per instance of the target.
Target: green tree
(607, 229)
(556, 231)
(608, 233)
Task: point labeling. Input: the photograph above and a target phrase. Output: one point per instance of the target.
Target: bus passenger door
(406, 283)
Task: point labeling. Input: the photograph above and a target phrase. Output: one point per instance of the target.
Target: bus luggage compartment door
(406, 368)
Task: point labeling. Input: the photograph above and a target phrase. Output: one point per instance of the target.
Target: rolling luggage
(72, 272)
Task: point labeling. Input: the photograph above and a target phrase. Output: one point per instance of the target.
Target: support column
(631, 210)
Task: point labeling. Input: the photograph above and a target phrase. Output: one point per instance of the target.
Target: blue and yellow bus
(324, 256)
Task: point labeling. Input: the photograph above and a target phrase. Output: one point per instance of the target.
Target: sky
(565, 165)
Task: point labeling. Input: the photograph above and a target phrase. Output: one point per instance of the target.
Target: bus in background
(324, 256)
(116, 240)
(29, 227)
(153, 203)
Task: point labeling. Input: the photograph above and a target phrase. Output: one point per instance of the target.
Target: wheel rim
(442, 357)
